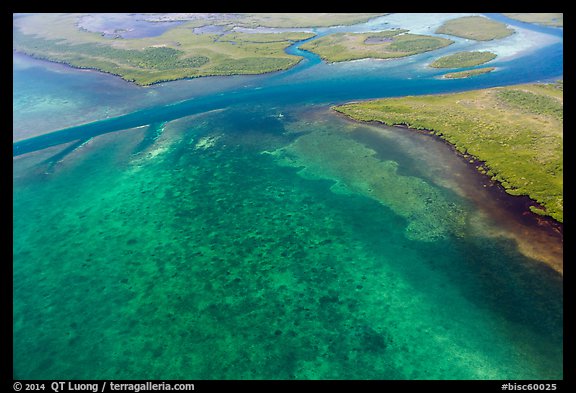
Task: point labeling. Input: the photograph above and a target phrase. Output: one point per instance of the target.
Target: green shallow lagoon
(195, 250)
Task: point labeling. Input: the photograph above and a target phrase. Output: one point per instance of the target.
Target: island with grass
(477, 28)
(540, 18)
(468, 73)
(386, 44)
(464, 60)
(201, 45)
(516, 131)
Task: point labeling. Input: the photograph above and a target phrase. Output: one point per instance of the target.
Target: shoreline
(515, 129)
(477, 164)
(156, 82)
(517, 206)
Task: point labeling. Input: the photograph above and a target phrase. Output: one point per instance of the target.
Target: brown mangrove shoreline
(537, 236)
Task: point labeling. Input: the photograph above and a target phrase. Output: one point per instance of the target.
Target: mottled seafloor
(241, 245)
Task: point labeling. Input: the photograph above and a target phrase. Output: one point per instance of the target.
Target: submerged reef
(355, 168)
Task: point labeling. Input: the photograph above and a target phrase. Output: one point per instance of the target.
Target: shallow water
(259, 235)
(125, 25)
(205, 252)
(49, 96)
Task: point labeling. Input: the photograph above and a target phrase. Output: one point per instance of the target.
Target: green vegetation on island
(176, 54)
(476, 28)
(541, 18)
(180, 52)
(382, 45)
(463, 59)
(468, 73)
(517, 131)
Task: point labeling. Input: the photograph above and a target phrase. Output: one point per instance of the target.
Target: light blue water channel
(312, 81)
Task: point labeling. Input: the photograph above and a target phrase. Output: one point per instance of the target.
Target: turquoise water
(251, 233)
